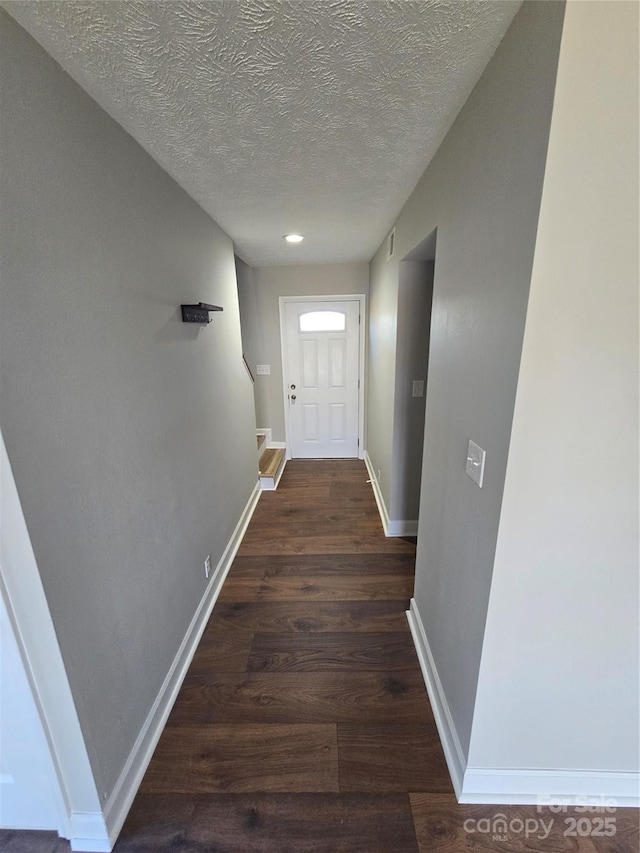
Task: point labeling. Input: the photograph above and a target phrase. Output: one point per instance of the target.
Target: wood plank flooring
(241, 757)
(303, 725)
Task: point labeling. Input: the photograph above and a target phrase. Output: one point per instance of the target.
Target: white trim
(402, 528)
(22, 807)
(453, 753)
(566, 787)
(391, 528)
(268, 440)
(341, 297)
(518, 786)
(280, 472)
(382, 509)
(21, 586)
(270, 484)
(88, 832)
(267, 432)
(121, 798)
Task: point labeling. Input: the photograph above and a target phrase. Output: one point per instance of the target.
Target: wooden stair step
(270, 461)
(260, 438)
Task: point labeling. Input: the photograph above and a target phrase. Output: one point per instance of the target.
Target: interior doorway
(415, 296)
(322, 359)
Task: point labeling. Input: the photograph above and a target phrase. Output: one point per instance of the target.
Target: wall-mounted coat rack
(198, 313)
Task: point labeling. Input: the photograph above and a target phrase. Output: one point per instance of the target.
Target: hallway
(303, 725)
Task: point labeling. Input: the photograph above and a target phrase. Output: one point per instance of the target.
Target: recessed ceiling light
(293, 238)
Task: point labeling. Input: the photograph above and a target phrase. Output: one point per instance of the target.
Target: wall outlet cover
(263, 369)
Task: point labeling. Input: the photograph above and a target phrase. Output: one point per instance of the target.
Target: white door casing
(29, 794)
(322, 358)
(78, 804)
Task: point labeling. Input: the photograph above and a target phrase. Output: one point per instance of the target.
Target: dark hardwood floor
(303, 723)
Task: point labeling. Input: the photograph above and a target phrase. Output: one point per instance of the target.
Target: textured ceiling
(316, 117)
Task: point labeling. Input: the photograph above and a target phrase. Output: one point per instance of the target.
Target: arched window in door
(323, 321)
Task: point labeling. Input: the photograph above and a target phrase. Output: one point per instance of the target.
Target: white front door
(321, 373)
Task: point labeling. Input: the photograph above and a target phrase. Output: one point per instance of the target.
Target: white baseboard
(120, 801)
(402, 528)
(557, 787)
(382, 509)
(391, 528)
(517, 786)
(453, 753)
(88, 832)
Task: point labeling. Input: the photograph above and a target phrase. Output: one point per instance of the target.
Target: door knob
(293, 396)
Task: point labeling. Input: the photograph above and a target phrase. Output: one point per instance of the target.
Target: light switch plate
(475, 462)
(418, 387)
(263, 369)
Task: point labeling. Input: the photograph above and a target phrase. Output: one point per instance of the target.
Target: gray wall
(482, 192)
(415, 290)
(130, 433)
(260, 289)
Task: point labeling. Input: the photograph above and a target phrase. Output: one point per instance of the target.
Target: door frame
(341, 297)
(81, 815)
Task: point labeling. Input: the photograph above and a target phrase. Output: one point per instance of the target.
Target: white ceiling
(316, 117)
